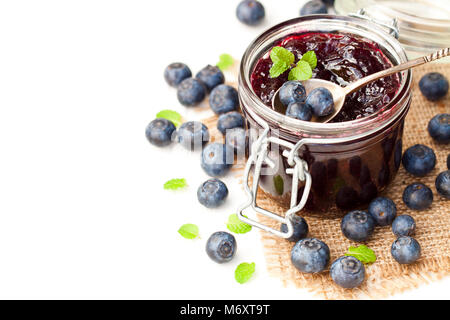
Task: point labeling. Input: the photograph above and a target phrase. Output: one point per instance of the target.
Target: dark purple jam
(341, 59)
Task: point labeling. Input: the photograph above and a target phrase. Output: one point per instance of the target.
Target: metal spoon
(339, 93)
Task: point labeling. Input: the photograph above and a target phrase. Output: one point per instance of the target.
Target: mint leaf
(282, 60)
(244, 272)
(237, 226)
(175, 184)
(362, 253)
(277, 69)
(301, 72)
(311, 58)
(279, 184)
(225, 61)
(170, 115)
(188, 231)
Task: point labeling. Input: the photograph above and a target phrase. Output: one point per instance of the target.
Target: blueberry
(236, 139)
(159, 132)
(300, 111)
(321, 102)
(417, 196)
(193, 135)
(347, 272)
(191, 92)
(443, 184)
(176, 72)
(383, 211)
(357, 225)
(212, 193)
(419, 160)
(292, 91)
(405, 250)
(211, 76)
(217, 159)
(300, 228)
(310, 255)
(221, 247)
(439, 128)
(404, 225)
(313, 7)
(230, 120)
(224, 99)
(433, 86)
(250, 12)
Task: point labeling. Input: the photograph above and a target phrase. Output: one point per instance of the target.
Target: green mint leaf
(188, 231)
(277, 69)
(170, 115)
(301, 72)
(280, 54)
(244, 272)
(237, 226)
(362, 253)
(311, 58)
(279, 184)
(175, 184)
(225, 61)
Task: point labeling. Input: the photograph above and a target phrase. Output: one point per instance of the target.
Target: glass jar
(347, 163)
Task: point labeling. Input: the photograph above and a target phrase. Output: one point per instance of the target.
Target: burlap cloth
(384, 277)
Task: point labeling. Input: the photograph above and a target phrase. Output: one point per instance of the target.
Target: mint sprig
(237, 226)
(170, 115)
(188, 231)
(244, 272)
(301, 72)
(362, 253)
(283, 60)
(225, 61)
(175, 184)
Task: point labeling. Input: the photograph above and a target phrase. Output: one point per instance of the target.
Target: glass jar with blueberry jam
(344, 163)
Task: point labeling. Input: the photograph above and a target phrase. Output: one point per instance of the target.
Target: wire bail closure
(392, 26)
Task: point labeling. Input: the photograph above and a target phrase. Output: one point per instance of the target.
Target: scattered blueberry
(221, 247)
(250, 12)
(230, 120)
(193, 135)
(321, 102)
(439, 128)
(292, 91)
(191, 92)
(299, 110)
(313, 7)
(443, 184)
(404, 225)
(310, 255)
(224, 99)
(212, 193)
(217, 159)
(419, 160)
(159, 132)
(383, 211)
(176, 72)
(357, 225)
(236, 139)
(405, 250)
(347, 272)
(211, 76)
(300, 228)
(433, 86)
(417, 196)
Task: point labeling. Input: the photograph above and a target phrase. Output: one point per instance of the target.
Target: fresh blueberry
(419, 160)
(443, 184)
(250, 12)
(292, 91)
(439, 128)
(300, 228)
(418, 196)
(221, 247)
(321, 102)
(404, 225)
(230, 120)
(217, 159)
(313, 7)
(236, 139)
(211, 76)
(310, 255)
(193, 135)
(347, 272)
(224, 99)
(405, 250)
(383, 211)
(191, 92)
(212, 193)
(357, 225)
(299, 110)
(433, 86)
(176, 72)
(159, 132)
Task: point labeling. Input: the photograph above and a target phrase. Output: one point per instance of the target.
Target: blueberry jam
(342, 59)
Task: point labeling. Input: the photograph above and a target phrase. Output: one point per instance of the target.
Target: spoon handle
(404, 66)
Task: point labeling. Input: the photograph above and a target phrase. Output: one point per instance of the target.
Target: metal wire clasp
(392, 26)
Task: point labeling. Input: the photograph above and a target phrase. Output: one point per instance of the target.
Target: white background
(83, 213)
